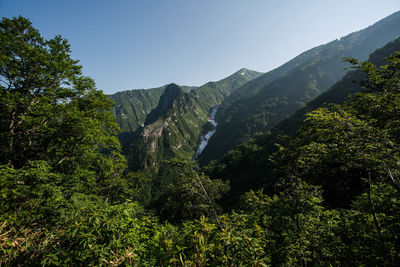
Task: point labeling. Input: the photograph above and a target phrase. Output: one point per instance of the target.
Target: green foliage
(31, 194)
(350, 150)
(200, 243)
(262, 103)
(299, 229)
(49, 111)
(58, 139)
(173, 128)
(30, 200)
(97, 233)
(247, 166)
(190, 194)
(348, 143)
(132, 107)
(66, 197)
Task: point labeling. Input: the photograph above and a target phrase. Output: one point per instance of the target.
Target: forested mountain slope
(67, 197)
(248, 166)
(337, 94)
(173, 128)
(213, 93)
(261, 104)
(131, 107)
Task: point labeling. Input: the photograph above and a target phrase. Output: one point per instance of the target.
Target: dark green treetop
(49, 110)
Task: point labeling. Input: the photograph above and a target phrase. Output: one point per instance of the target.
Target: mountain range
(166, 122)
(172, 127)
(248, 165)
(260, 104)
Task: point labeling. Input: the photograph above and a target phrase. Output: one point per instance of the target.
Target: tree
(49, 111)
(351, 150)
(344, 146)
(190, 194)
(298, 228)
(58, 139)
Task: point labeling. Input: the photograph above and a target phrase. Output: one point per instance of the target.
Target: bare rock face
(155, 129)
(151, 133)
(155, 123)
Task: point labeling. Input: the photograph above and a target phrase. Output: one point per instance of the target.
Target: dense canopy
(68, 198)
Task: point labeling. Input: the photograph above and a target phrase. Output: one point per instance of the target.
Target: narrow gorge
(205, 138)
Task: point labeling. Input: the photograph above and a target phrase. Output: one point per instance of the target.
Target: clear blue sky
(127, 44)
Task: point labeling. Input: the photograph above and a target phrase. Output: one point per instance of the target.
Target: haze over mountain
(259, 105)
(248, 165)
(136, 44)
(251, 102)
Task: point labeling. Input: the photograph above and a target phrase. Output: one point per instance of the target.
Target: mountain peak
(172, 89)
(167, 100)
(247, 73)
(243, 71)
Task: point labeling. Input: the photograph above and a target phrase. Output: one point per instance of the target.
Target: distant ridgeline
(247, 166)
(168, 121)
(259, 105)
(160, 124)
(331, 191)
(133, 106)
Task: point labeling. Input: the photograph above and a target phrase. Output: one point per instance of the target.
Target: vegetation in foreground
(66, 198)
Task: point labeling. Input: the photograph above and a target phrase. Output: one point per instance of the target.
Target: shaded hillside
(166, 102)
(170, 130)
(64, 201)
(173, 128)
(247, 166)
(213, 93)
(337, 94)
(132, 107)
(261, 104)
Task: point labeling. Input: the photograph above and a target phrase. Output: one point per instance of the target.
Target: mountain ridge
(248, 167)
(173, 128)
(260, 104)
(132, 106)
